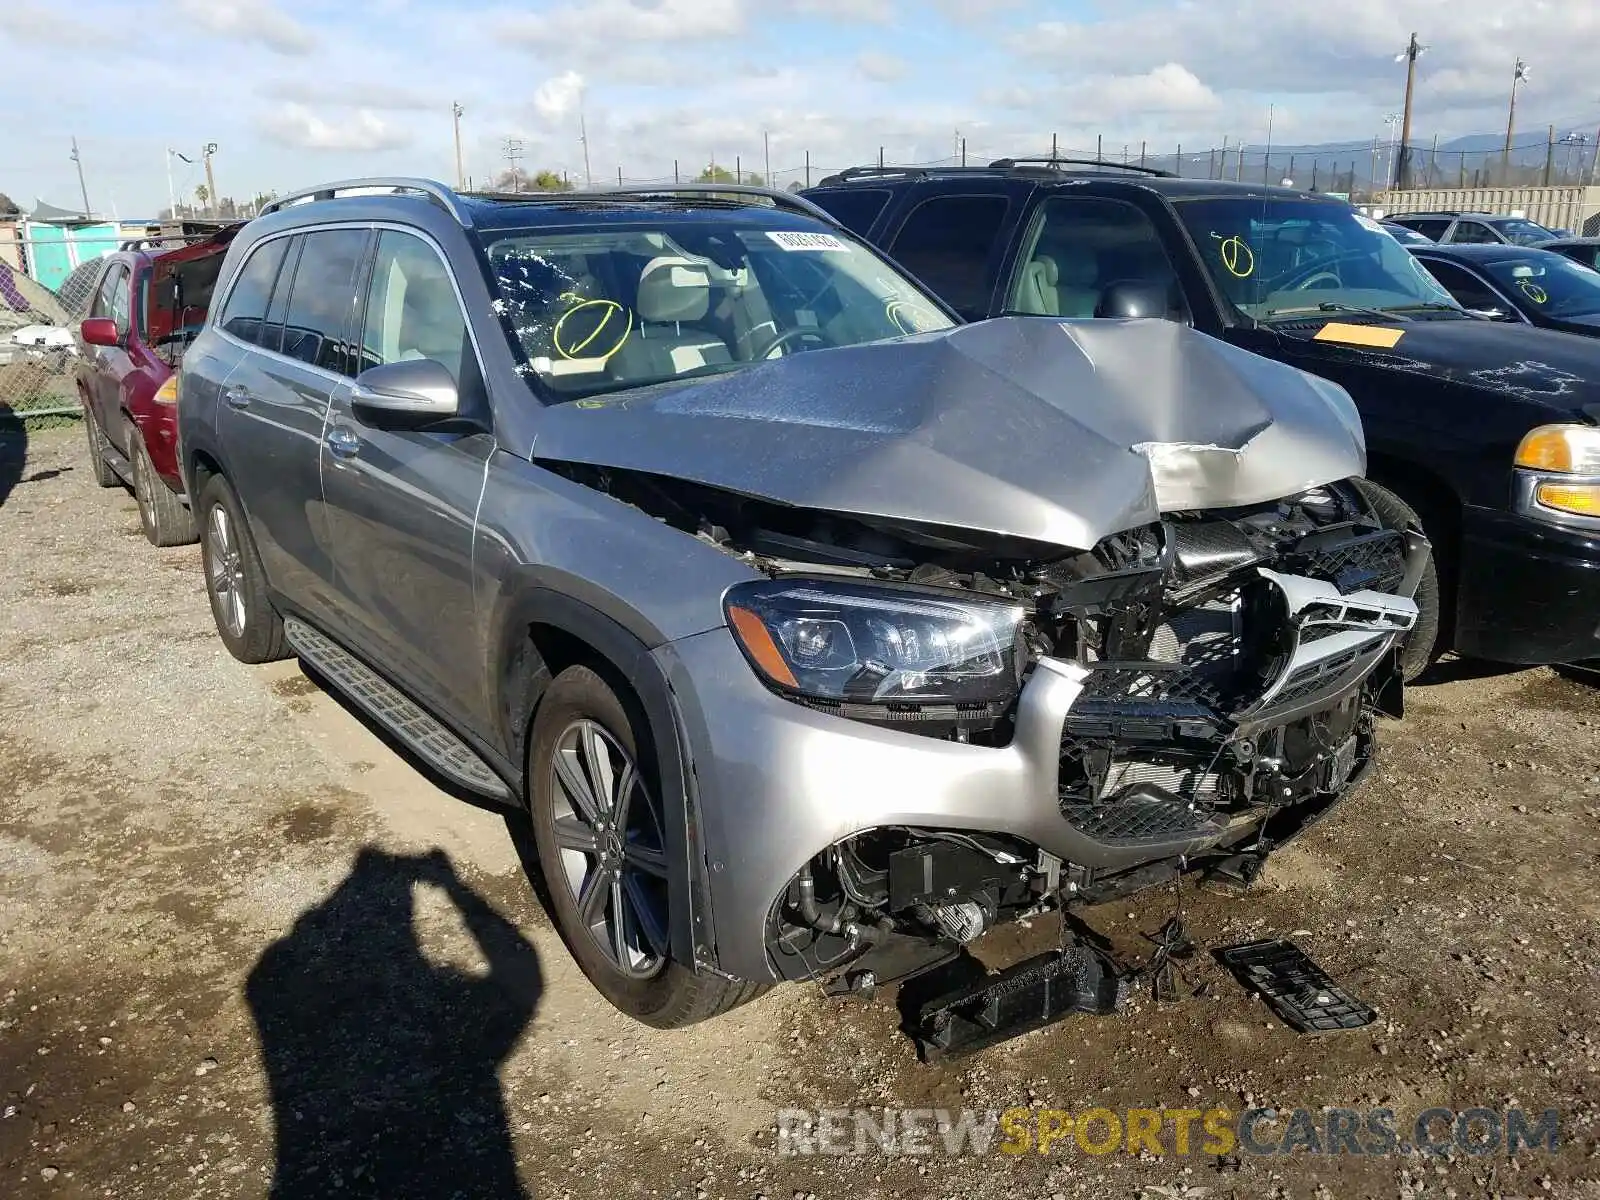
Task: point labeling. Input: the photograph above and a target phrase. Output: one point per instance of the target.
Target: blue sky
(299, 91)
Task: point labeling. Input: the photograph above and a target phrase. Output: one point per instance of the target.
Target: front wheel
(103, 474)
(601, 837)
(249, 625)
(1421, 645)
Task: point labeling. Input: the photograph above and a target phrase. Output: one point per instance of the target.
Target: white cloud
(598, 23)
(27, 22)
(361, 131)
(880, 68)
(555, 98)
(877, 12)
(249, 21)
(344, 93)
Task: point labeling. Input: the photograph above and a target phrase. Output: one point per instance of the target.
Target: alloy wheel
(141, 487)
(227, 571)
(609, 835)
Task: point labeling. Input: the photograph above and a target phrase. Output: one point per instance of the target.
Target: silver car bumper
(778, 783)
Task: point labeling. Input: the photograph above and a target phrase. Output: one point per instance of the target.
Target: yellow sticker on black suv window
(1359, 335)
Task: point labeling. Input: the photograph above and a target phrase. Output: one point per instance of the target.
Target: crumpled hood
(1057, 431)
(1541, 366)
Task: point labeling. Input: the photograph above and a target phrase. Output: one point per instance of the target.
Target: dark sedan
(1585, 250)
(1518, 284)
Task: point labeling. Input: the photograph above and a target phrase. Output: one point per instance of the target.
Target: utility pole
(1409, 56)
(766, 158)
(208, 153)
(808, 168)
(583, 136)
(455, 115)
(1266, 167)
(172, 196)
(511, 151)
(1549, 154)
(82, 187)
(1519, 75)
(1055, 152)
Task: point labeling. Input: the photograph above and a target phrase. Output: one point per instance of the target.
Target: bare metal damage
(1053, 431)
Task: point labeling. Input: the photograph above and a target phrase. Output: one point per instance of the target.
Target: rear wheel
(1421, 645)
(246, 620)
(162, 515)
(103, 474)
(601, 837)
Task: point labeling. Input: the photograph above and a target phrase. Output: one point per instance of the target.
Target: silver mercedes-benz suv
(819, 631)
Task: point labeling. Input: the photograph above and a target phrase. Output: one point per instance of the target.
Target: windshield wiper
(1428, 307)
(1339, 306)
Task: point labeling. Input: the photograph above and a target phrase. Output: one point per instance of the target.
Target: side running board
(422, 734)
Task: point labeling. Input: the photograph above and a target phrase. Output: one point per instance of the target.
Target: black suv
(1490, 432)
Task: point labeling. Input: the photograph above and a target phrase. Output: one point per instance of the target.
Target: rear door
(292, 314)
(955, 241)
(402, 498)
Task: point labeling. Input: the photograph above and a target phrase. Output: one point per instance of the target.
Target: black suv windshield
(1273, 258)
(617, 306)
(1550, 283)
(1522, 232)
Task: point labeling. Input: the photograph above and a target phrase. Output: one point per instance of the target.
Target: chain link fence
(38, 345)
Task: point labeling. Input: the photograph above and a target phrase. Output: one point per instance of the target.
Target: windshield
(1523, 233)
(1550, 283)
(1273, 258)
(619, 306)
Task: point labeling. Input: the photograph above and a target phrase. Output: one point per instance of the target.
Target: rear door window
(854, 208)
(1468, 290)
(1427, 228)
(948, 242)
(322, 302)
(1473, 233)
(252, 289)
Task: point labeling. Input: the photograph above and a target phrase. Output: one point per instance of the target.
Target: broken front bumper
(776, 783)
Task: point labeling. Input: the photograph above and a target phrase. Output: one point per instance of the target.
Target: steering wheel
(786, 337)
(1299, 279)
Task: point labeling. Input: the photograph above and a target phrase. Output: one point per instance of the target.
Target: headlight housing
(1565, 449)
(1559, 474)
(858, 644)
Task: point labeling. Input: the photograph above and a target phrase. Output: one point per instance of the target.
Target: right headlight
(856, 643)
(1570, 453)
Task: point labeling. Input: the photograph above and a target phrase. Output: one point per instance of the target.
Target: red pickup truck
(146, 305)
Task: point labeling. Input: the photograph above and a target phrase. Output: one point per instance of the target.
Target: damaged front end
(1226, 666)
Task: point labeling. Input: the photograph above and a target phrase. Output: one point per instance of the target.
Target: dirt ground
(242, 940)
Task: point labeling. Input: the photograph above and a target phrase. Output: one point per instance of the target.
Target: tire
(1421, 646)
(248, 624)
(103, 474)
(162, 515)
(580, 724)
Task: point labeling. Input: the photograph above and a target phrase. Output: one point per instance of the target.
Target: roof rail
(777, 197)
(444, 197)
(1050, 160)
(870, 172)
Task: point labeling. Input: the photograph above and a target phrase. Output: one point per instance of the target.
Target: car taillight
(167, 393)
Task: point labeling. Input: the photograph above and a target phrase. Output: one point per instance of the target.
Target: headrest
(1049, 273)
(1077, 268)
(673, 289)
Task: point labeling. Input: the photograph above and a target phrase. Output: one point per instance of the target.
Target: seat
(674, 296)
(1037, 291)
(1077, 281)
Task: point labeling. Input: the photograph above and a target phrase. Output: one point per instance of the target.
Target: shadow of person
(13, 450)
(383, 1065)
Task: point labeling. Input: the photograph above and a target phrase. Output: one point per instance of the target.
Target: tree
(202, 194)
(716, 174)
(8, 206)
(549, 181)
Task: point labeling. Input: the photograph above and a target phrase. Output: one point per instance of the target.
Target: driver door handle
(237, 396)
(342, 442)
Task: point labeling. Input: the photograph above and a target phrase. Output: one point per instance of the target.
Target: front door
(402, 499)
(111, 363)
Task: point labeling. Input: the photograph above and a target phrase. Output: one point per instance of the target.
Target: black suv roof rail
(850, 173)
(1050, 160)
(441, 195)
(778, 197)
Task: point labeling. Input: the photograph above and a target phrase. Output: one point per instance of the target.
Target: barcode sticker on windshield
(807, 241)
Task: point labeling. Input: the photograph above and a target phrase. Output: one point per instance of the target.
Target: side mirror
(99, 331)
(1490, 314)
(1132, 298)
(416, 387)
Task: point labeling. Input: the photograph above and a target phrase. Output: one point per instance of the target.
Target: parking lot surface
(247, 949)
